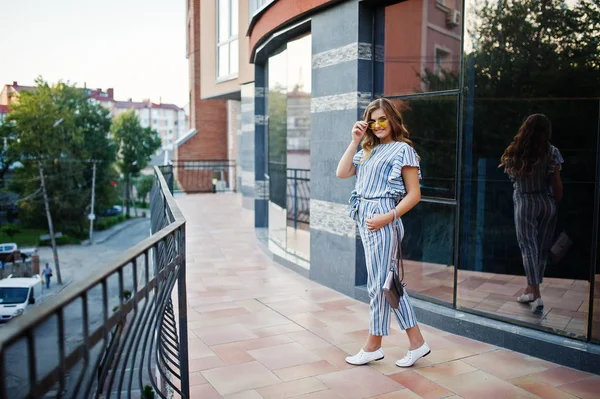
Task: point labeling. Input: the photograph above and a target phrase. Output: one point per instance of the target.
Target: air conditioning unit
(453, 18)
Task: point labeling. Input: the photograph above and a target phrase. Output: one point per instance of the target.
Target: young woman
(534, 165)
(388, 174)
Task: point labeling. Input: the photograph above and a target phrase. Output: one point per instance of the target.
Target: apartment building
(169, 120)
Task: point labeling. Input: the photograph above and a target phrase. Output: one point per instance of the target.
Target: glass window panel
(234, 57)
(276, 108)
(427, 248)
(422, 47)
(537, 68)
(298, 145)
(432, 124)
(235, 19)
(224, 18)
(223, 57)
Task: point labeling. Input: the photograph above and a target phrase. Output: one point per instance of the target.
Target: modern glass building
(465, 74)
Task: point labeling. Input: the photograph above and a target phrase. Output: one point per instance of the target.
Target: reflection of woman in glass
(534, 165)
(387, 186)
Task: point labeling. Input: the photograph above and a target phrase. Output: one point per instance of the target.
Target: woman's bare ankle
(371, 348)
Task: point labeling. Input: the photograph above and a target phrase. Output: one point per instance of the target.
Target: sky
(137, 47)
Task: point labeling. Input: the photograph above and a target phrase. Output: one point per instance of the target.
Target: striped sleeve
(556, 159)
(407, 156)
(357, 157)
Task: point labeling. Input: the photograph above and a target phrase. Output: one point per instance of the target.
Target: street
(76, 262)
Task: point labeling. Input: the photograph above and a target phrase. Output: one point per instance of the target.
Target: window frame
(226, 44)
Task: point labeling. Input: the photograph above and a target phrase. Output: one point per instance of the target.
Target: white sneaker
(414, 355)
(525, 298)
(363, 357)
(538, 305)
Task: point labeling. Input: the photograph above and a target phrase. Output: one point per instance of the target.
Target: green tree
(144, 186)
(136, 146)
(64, 149)
(8, 136)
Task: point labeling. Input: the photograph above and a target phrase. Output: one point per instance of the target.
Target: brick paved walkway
(259, 330)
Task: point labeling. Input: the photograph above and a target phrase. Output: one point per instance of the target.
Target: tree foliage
(144, 186)
(136, 146)
(61, 128)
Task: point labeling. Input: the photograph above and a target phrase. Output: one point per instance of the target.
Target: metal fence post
(183, 328)
(295, 199)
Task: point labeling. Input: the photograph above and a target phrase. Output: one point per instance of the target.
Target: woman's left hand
(378, 221)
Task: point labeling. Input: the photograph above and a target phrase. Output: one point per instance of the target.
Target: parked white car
(10, 252)
(18, 294)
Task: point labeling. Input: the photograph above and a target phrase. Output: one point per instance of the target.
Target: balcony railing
(115, 334)
(203, 176)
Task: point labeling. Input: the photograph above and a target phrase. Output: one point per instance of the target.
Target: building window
(442, 59)
(227, 39)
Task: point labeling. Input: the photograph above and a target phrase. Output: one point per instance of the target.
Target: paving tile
(307, 321)
(277, 330)
(359, 382)
(205, 391)
(292, 388)
(240, 377)
(478, 385)
(326, 394)
(449, 369)
(282, 356)
(560, 376)
(401, 394)
(333, 336)
(197, 349)
(504, 364)
(309, 340)
(420, 385)
(221, 335)
(584, 389)
(232, 353)
(294, 306)
(334, 356)
(541, 389)
(197, 378)
(205, 363)
(305, 370)
(470, 344)
(251, 394)
(265, 342)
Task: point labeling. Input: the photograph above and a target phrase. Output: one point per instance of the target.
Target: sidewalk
(259, 330)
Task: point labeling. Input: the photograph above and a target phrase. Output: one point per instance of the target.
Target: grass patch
(24, 237)
(65, 239)
(108, 222)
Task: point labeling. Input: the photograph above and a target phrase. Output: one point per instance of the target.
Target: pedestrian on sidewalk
(533, 165)
(47, 275)
(387, 186)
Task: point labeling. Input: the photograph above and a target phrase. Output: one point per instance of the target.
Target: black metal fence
(298, 196)
(115, 334)
(204, 176)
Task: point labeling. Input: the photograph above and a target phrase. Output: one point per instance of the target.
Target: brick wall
(208, 117)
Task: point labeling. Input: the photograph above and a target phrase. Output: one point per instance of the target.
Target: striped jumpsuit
(535, 216)
(379, 188)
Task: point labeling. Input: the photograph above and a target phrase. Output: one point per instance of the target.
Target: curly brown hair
(399, 131)
(530, 148)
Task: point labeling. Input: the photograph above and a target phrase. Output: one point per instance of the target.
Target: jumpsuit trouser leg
(379, 248)
(535, 220)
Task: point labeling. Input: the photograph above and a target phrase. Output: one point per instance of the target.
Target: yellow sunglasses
(382, 122)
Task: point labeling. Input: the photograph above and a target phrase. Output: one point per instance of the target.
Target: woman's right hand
(358, 131)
